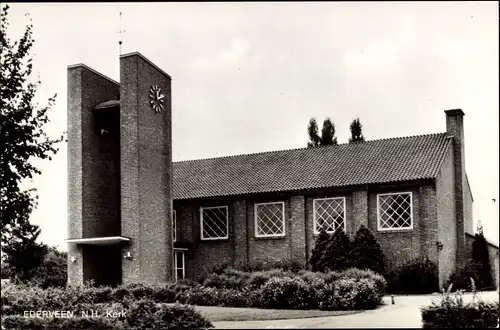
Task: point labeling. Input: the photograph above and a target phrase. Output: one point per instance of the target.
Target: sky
(247, 77)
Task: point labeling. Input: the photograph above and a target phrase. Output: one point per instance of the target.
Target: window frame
(315, 227)
(256, 205)
(183, 253)
(201, 223)
(411, 227)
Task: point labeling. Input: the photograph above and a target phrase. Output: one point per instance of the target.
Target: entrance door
(102, 264)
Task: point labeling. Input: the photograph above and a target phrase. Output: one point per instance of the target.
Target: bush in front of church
(415, 276)
(146, 314)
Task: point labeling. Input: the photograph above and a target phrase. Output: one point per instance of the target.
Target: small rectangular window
(395, 211)
(270, 219)
(214, 223)
(329, 214)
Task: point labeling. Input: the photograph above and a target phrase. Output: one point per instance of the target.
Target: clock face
(156, 98)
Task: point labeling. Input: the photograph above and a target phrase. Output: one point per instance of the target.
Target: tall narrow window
(395, 211)
(270, 219)
(214, 224)
(174, 225)
(329, 214)
(179, 264)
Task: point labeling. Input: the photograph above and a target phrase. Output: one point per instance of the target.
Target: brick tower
(119, 174)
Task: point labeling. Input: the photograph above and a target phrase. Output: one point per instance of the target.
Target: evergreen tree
(318, 251)
(328, 133)
(366, 253)
(337, 252)
(312, 130)
(356, 131)
(481, 256)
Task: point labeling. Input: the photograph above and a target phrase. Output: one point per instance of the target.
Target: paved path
(404, 313)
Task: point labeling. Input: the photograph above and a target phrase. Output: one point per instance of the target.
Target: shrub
(317, 252)
(452, 312)
(336, 254)
(225, 280)
(418, 276)
(145, 314)
(480, 255)
(288, 264)
(359, 274)
(52, 271)
(354, 273)
(77, 322)
(350, 294)
(288, 293)
(366, 253)
(461, 280)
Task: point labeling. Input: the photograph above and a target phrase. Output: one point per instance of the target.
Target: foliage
(366, 252)
(351, 294)
(288, 293)
(481, 256)
(337, 252)
(415, 276)
(318, 250)
(328, 133)
(22, 139)
(312, 130)
(356, 131)
(23, 255)
(452, 312)
(145, 314)
(77, 322)
(461, 280)
(257, 289)
(53, 270)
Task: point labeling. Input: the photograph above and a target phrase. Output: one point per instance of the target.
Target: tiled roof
(371, 162)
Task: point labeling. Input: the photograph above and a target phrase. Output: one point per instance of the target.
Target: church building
(136, 216)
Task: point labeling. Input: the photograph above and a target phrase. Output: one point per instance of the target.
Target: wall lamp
(128, 256)
(73, 259)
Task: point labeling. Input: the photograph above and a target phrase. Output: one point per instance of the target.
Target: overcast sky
(248, 76)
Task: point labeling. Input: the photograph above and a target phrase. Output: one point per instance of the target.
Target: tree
(319, 248)
(22, 139)
(312, 130)
(328, 133)
(366, 253)
(356, 131)
(481, 256)
(53, 270)
(23, 254)
(337, 252)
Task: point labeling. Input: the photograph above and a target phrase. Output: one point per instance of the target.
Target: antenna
(120, 32)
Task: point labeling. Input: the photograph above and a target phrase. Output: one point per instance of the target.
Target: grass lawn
(217, 314)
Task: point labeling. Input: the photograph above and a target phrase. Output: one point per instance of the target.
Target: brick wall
(93, 197)
(468, 208)
(146, 168)
(407, 244)
(445, 194)
(455, 128)
(242, 246)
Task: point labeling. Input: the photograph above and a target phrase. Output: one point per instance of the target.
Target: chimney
(463, 204)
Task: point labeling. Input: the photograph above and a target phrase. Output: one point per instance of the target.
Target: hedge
(351, 289)
(452, 312)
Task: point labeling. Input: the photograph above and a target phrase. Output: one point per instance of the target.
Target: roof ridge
(303, 148)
